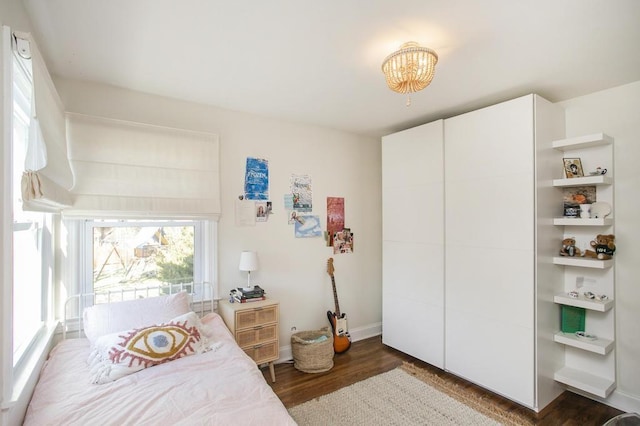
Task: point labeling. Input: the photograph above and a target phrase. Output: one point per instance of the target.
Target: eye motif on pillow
(119, 354)
(156, 344)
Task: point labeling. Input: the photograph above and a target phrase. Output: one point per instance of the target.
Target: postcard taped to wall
(302, 194)
(308, 227)
(256, 179)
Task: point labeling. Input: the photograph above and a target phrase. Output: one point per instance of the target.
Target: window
(128, 254)
(32, 250)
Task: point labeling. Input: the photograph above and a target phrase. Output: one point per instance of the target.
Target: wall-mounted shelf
(596, 385)
(599, 346)
(583, 302)
(579, 142)
(583, 262)
(598, 180)
(576, 221)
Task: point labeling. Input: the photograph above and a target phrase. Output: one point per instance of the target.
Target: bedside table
(255, 328)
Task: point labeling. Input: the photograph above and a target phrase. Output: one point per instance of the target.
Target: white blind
(134, 170)
(48, 141)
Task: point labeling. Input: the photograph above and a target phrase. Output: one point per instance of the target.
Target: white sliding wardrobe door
(489, 258)
(413, 242)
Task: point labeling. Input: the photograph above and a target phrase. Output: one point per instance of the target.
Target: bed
(213, 383)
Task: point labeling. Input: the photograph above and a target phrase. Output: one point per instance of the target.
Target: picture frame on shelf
(572, 168)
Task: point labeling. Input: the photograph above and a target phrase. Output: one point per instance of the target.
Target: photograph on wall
(343, 241)
(302, 194)
(335, 217)
(256, 179)
(307, 226)
(261, 211)
(572, 168)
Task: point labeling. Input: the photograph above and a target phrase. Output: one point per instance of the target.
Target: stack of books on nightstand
(243, 294)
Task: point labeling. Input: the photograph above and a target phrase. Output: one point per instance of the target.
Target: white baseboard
(357, 334)
(624, 402)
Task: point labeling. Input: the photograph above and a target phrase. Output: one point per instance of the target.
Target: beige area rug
(405, 396)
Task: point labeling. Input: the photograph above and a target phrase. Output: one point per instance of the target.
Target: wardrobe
(468, 207)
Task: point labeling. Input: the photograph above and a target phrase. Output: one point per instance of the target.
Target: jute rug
(405, 396)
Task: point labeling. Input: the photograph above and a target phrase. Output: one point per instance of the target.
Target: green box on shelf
(572, 319)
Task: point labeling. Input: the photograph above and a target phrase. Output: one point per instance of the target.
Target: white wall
(291, 270)
(616, 112)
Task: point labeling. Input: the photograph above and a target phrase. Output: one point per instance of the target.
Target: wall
(291, 270)
(615, 112)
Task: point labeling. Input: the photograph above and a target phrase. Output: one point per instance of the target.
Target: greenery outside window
(127, 254)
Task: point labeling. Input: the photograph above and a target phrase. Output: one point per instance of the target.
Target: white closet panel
(489, 260)
(413, 242)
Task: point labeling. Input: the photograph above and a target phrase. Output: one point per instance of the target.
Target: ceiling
(318, 62)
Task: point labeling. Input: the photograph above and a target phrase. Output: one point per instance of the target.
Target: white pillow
(107, 318)
(120, 354)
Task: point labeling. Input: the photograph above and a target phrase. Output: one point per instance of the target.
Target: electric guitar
(341, 338)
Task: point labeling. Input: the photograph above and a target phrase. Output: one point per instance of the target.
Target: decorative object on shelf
(598, 171)
(572, 168)
(573, 294)
(584, 336)
(569, 248)
(600, 209)
(572, 319)
(248, 263)
(585, 211)
(589, 295)
(574, 197)
(409, 69)
(602, 297)
(604, 247)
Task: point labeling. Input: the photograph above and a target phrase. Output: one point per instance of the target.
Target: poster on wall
(302, 194)
(256, 179)
(245, 213)
(335, 217)
(307, 227)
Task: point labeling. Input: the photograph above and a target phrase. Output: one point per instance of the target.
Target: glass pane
(27, 287)
(126, 257)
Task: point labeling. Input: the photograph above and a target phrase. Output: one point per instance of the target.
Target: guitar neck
(335, 296)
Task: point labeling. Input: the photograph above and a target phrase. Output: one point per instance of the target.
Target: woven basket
(310, 355)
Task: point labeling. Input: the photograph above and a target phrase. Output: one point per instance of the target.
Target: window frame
(21, 111)
(200, 245)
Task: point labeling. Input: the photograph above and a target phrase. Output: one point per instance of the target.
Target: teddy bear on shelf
(569, 248)
(603, 247)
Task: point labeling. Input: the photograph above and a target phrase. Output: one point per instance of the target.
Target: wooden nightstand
(255, 328)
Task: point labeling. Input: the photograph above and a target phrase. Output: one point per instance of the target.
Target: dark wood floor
(370, 357)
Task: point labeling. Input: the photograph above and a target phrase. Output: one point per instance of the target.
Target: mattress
(222, 386)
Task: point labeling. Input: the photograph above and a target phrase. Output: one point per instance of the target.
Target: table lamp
(248, 263)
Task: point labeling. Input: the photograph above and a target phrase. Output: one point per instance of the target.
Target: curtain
(47, 162)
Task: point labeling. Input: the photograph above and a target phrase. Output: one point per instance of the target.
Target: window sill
(25, 380)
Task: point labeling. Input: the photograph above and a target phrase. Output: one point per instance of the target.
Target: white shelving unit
(583, 262)
(589, 364)
(579, 379)
(583, 302)
(576, 221)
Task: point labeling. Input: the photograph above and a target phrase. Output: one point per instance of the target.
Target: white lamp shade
(248, 261)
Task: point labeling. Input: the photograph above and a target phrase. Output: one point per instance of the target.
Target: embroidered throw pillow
(120, 354)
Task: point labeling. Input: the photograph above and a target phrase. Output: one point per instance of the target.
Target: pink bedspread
(219, 387)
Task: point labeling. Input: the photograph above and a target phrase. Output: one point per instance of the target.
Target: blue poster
(256, 179)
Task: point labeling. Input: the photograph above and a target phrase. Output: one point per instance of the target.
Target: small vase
(585, 211)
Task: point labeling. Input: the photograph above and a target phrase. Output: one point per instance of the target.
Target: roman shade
(134, 170)
(46, 184)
